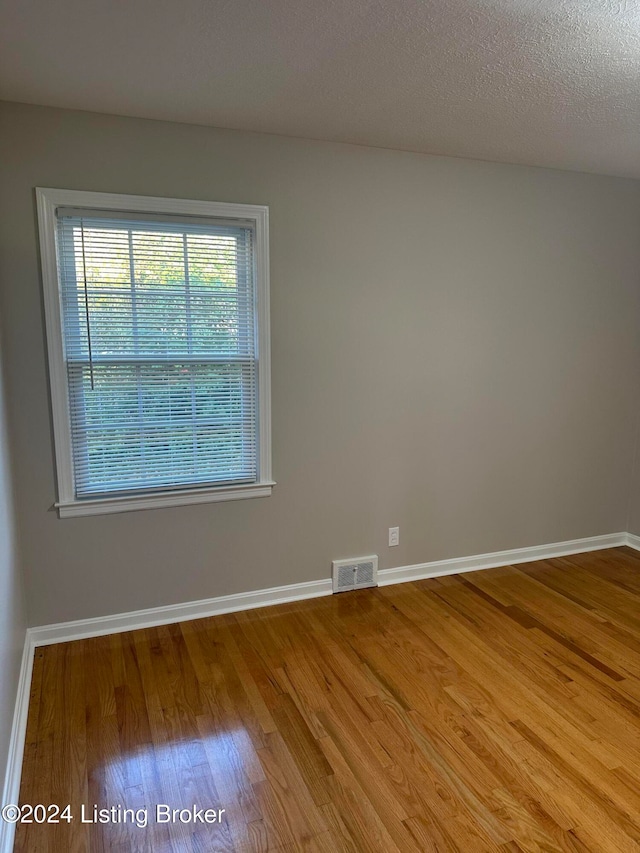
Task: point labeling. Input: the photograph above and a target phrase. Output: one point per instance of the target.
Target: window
(157, 326)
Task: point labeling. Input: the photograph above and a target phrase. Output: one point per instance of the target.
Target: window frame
(67, 504)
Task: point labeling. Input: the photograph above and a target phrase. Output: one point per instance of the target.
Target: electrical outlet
(394, 536)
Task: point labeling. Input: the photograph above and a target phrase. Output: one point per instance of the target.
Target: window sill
(129, 503)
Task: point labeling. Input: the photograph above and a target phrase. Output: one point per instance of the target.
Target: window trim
(48, 200)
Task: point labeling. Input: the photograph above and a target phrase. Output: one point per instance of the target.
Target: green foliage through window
(160, 352)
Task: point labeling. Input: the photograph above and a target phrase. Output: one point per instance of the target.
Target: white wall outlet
(394, 536)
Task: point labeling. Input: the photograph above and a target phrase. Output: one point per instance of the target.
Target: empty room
(320, 426)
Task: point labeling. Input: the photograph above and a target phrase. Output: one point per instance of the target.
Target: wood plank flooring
(492, 711)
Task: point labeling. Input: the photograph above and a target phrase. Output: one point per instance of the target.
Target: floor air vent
(357, 573)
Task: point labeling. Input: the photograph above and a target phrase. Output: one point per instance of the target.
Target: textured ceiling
(544, 82)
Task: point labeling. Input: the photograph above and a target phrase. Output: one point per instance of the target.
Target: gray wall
(12, 614)
(633, 520)
(455, 351)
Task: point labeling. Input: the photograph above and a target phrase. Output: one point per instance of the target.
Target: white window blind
(159, 336)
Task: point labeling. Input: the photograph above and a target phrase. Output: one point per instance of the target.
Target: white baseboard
(84, 628)
(66, 631)
(11, 789)
(63, 632)
(632, 541)
(439, 568)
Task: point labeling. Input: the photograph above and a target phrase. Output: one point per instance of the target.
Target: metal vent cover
(357, 573)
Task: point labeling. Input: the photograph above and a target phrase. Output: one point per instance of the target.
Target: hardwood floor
(493, 711)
